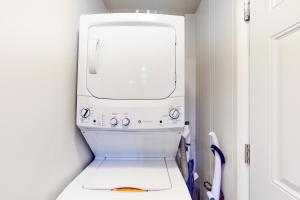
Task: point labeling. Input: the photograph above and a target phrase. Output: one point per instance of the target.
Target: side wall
(190, 76)
(41, 150)
(216, 90)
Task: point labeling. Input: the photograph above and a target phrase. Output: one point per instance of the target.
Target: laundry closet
(143, 99)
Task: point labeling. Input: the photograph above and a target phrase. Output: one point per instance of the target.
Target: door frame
(242, 57)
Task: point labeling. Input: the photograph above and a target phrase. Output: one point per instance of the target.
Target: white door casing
(275, 99)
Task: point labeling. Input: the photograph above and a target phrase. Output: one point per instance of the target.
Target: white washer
(130, 107)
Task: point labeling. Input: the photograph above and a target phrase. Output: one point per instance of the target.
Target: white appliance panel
(140, 115)
(146, 144)
(135, 61)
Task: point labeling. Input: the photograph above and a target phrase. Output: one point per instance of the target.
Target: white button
(126, 122)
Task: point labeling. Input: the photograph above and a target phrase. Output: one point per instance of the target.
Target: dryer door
(131, 61)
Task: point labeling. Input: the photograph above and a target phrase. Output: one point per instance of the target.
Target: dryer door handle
(93, 56)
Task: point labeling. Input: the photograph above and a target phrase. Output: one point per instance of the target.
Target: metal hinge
(247, 154)
(247, 10)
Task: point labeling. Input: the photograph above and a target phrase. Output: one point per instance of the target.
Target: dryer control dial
(114, 121)
(85, 112)
(125, 121)
(174, 113)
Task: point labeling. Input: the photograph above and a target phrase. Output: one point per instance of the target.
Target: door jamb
(242, 57)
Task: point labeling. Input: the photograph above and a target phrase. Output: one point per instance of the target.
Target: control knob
(85, 112)
(114, 121)
(126, 121)
(174, 113)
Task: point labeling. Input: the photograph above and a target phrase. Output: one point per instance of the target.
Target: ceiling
(162, 6)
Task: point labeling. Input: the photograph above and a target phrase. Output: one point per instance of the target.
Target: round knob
(85, 112)
(174, 113)
(126, 122)
(113, 121)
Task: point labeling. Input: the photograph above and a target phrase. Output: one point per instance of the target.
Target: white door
(131, 61)
(275, 100)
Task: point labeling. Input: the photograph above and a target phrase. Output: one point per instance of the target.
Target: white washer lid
(150, 175)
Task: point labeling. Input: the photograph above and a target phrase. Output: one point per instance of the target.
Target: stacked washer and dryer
(130, 107)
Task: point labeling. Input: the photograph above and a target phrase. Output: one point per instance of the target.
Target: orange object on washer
(129, 189)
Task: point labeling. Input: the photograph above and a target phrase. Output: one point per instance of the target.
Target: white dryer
(130, 107)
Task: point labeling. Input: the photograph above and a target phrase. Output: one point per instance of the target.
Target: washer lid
(149, 175)
(131, 61)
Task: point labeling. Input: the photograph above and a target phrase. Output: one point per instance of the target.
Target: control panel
(106, 117)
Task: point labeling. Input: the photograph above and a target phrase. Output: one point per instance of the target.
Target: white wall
(204, 97)
(41, 150)
(190, 77)
(177, 7)
(216, 90)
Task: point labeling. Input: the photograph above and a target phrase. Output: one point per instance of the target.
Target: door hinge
(247, 10)
(247, 154)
